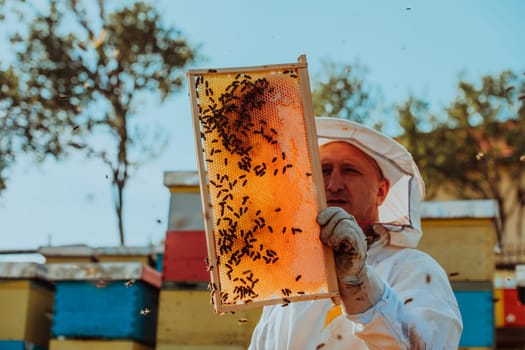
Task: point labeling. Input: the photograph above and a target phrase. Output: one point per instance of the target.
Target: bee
(145, 311)
(129, 283)
(408, 300)
(101, 283)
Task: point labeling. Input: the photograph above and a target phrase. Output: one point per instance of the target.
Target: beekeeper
(392, 296)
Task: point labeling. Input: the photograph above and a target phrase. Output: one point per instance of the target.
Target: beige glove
(359, 284)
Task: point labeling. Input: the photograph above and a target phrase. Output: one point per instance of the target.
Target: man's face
(352, 181)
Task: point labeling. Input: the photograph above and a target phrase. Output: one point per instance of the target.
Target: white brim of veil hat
(400, 212)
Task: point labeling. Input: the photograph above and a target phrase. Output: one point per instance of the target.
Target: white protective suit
(418, 309)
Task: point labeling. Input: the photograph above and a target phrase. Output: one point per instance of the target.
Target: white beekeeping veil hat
(399, 213)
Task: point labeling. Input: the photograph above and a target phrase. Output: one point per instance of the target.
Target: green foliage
(8, 89)
(80, 71)
(342, 92)
(479, 142)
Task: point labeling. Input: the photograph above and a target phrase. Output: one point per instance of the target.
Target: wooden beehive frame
(300, 67)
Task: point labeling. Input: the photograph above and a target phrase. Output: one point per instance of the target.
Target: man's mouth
(336, 202)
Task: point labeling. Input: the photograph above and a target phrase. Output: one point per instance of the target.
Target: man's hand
(359, 285)
(340, 231)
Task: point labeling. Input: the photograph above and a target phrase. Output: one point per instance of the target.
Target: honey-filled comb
(261, 185)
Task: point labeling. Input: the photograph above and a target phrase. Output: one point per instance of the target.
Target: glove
(359, 285)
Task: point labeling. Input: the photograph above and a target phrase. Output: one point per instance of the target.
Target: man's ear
(382, 191)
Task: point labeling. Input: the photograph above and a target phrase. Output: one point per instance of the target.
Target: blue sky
(409, 46)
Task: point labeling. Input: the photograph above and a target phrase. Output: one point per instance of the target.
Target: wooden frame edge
(205, 195)
(311, 131)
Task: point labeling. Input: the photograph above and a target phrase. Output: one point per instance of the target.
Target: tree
(79, 76)
(477, 151)
(8, 86)
(343, 92)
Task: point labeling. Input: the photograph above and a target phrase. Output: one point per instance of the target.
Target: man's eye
(350, 170)
(326, 171)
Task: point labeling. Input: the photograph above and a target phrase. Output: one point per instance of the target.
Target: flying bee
(129, 283)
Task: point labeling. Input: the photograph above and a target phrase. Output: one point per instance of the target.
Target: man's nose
(334, 182)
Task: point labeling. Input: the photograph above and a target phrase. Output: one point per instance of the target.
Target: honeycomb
(261, 197)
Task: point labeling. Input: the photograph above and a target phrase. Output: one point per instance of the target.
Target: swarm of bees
(228, 129)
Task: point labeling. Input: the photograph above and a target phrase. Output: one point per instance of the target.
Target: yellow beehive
(261, 185)
(26, 301)
(187, 321)
(499, 314)
(461, 236)
(76, 344)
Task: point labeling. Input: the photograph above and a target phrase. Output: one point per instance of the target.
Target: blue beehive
(19, 345)
(159, 262)
(477, 311)
(105, 301)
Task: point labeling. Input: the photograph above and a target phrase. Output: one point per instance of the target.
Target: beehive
(476, 304)
(260, 184)
(26, 300)
(19, 345)
(185, 212)
(84, 254)
(184, 257)
(105, 301)
(78, 344)
(187, 322)
(508, 311)
(461, 236)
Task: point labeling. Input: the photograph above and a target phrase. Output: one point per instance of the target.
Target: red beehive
(184, 257)
(514, 312)
(185, 245)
